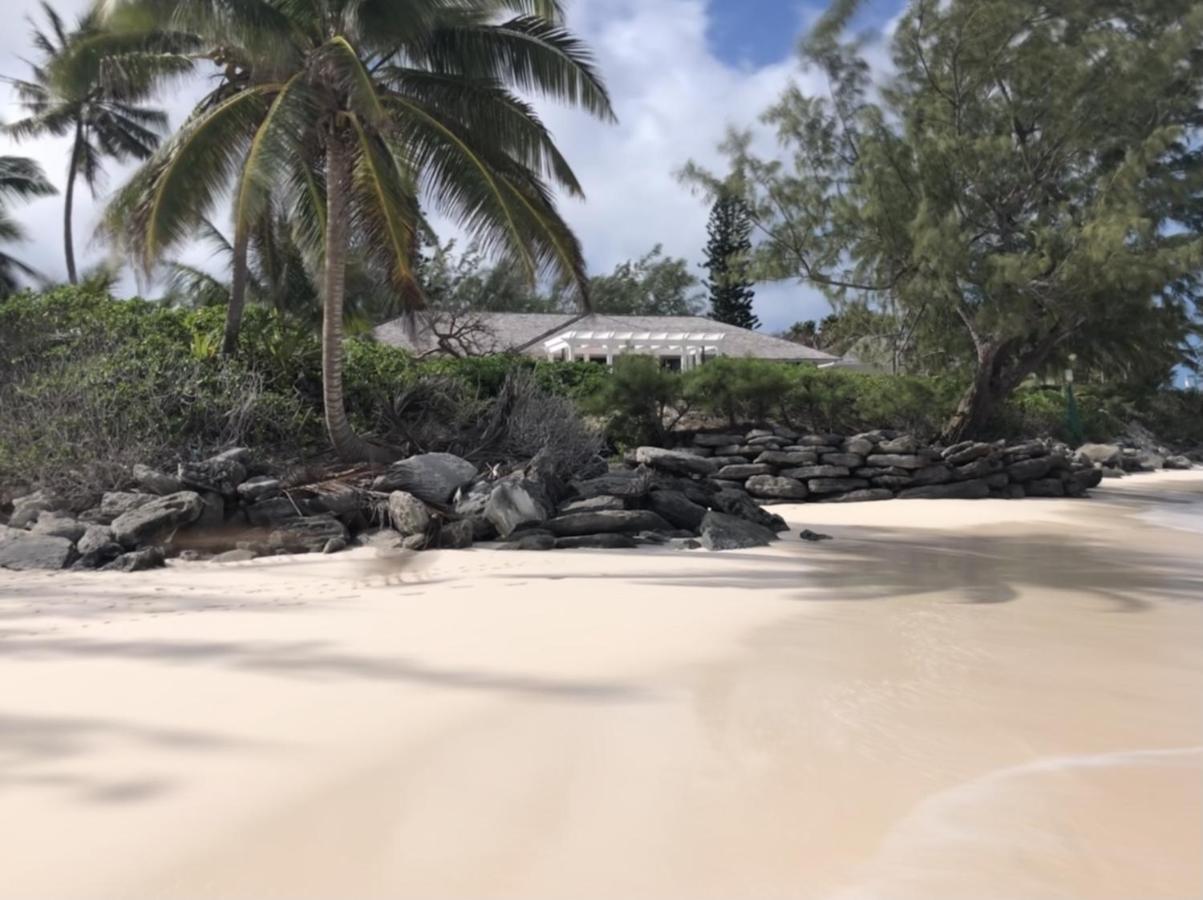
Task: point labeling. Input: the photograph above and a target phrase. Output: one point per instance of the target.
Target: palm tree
(20, 179)
(79, 88)
(355, 110)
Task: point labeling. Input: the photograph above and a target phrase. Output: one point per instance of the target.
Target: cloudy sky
(680, 72)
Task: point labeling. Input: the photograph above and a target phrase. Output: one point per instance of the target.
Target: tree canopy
(727, 257)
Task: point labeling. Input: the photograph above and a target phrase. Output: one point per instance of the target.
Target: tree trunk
(346, 442)
(979, 401)
(68, 202)
(229, 341)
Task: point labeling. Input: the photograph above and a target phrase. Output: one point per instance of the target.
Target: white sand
(953, 699)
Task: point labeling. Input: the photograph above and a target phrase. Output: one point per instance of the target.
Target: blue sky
(760, 32)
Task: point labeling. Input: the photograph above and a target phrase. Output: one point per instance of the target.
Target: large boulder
(118, 503)
(407, 513)
(804, 473)
(904, 444)
(27, 509)
(607, 521)
(593, 504)
(23, 550)
(1101, 454)
(966, 452)
(679, 462)
(512, 506)
(261, 487)
(725, 532)
(957, 490)
(137, 561)
(1178, 462)
(717, 440)
(934, 474)
(1030, 469)
(628, 483)
(743, 471)
(861, 446)
(59, 525)
(863, 495)
(1045, 487)
(604, 541)
(836, 485)
(219, 475)
(431, 477)
(898, 460)
(153, 521)
(308, 535)
(776, 487)
(739, 504)
(530, 540)
(457, 535)
(788, 458)
(847, 460)
(677, 509)
(152, 481)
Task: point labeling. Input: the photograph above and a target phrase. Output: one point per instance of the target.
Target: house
(681, 342)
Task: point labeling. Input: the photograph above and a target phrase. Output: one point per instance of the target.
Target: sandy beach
(951, 699)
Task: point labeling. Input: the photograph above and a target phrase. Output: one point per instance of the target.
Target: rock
(788, 458)
(776, 487)
(966, 452)
(631, 484)
(241, 455)
(804, 473)
(684, 544)
(1026, 450)
(593, 504)
(269, 513)
(997, 481)
(213, 514)
(717, 440)
(1101, 454)
(190, 556)
(956, 490)
(431, 477)
(24, 550)
(234, 556)
(152, 481)
(1045, 487)
(531, 540)
(137, 561)
(1029, 469)
(937, 474)
(118, 503)
(836, 485)
(457, 535)
(847, 460)
(27, 509)
(892, 482)
(739, 504)
(860, 446)
(512, 506)
(979, 468)
(904, 444)
(725, 532)
(607, 541)
(820, 440)
(862, 494)
(675, 461)
(813, 536)
(407, 514)
(766, 440)
(415, 542)
(261, 487)
(155, 520)
(743, 472)
(898, 460)
(759, 433)
(58, 525)
(1178, 463)
(606, 522)
(308, 535)
(216, 476)
(1151, 461)
(724, 484)
(95, 537)
(677, 509)
(335, 545)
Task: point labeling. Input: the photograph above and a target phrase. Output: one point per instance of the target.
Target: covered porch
(682, 350)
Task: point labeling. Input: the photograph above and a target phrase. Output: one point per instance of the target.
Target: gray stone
(836, 485)
(717, 440)
(897, 460)
(905, 444)
(1045, 487)
(593, 504)
(533, 540)
(776, 487)
(24, 550)
(118, 503)
(759, 433)
(956, 490)
(632, 484)
(979, 468)
(407, 514)
(966, 452)
(308, 535)
(1085, 479)
(213, 515)
(431, 477)
(738, 503)
(743, 472)
(58, 525)
(684, 544)
(677, 509)
(862, 495)
(234, 556)
(216, 476)
(334, 545)
(892, 482)
(804, 473)
(1113, 473)
(766, 440)
(675, 461)
(513, 505)
(1151, 461)
(137, 561)
(604, 541)
(937, 474)
(95, 537)
(813, 537)
(27, 509)
(158, 518)
(725, 532)
(607, 521)
(457, 535)
(728, 450)
(998, 480)
(788, 458)
(874, 472)
(820, 440)
(155, 482)
(860, 446)
(1178, 463)
(261, 487)
(241, 455)
(1101, 454)
(725, 484)
(269, 513)
(1025, 450)
(847, 460)
(1029, 469)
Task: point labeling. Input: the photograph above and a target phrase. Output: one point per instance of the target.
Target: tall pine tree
(727, 254)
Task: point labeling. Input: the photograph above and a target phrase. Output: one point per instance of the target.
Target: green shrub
(640, 401)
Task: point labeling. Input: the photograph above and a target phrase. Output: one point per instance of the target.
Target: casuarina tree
(727, 257)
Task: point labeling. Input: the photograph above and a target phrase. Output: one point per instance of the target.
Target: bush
(640, 402)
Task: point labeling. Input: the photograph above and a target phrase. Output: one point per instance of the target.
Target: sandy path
(979, 699)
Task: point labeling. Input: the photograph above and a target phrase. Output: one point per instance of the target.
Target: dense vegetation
(89, 386)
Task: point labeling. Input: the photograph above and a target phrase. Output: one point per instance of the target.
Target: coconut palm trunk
(69, 202)
(238, 278)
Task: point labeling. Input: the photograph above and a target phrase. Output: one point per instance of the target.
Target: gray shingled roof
(526, 332)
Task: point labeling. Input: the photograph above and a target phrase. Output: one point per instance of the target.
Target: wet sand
(951, 700)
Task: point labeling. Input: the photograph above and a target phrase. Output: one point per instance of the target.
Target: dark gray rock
(804, 473)
(675, 461)
(898, 460)
(155, 520)
(1101, 454)
(847, 460)
(269, 513)
(593, 504)
(152, 481)
(27, 509)
(776, 487)
(903, 444)
(234, 556)
(457, 535)
(892, 482)
(966, 452)
(118, 503)
(997, 481)
(1029, 469)
(717, 440)
(979, 468)
(1045, 487)
(677, 509)
(308, 535)
(59, 525)
(606, 522)
(935, 474)
(860, 446)
(213, 513)
(813, 537)
(24, 550)
(631, 484)
(725, 532)
(407, 514)
(514, 505)
(1086, 479)
(743, 472)
(531, 540)
(261, 487)
(788, 458)
(94, 538)
(739, 504)
(604, 541)
(1025, 450)
(137, 561)
(861, 495)
(216, 476)
(956, 490)
(724, 484)
(431, 477)
(820, 440)
(1178, 463)
(836, 485)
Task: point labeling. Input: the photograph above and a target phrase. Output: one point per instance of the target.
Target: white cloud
(674, 98)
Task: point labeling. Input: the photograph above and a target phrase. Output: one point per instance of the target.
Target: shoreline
(481, 724)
